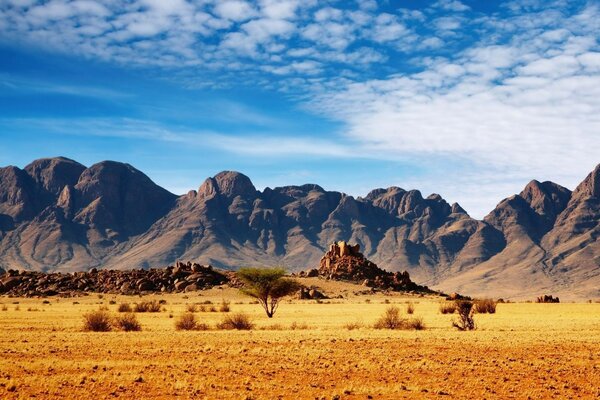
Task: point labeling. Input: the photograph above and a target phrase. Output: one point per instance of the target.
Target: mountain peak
(232, 183)
(55, 173)
(590, 187)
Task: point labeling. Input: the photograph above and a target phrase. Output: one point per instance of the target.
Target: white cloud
(234, 10)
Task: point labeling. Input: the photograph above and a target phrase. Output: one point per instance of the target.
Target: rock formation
(182, 277)
(345, 262)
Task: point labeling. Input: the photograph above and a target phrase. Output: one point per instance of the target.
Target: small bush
(46, 302)
(212, 309)
(112, 302)
(295, 326)
(391, 319)
(485, 306)
(97, 321)
(448, 307)
(187, 322)
(237, 321)
(128, 322)
(192, 308)
(4, 307)
(224, 306)
(147, 306)
(465, 309)
(416, 323)
(410, 308)
(124, 307)
(353, 325)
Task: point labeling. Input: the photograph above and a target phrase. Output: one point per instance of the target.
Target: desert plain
(325, 349)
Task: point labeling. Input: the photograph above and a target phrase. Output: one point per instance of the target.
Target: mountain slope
(56, 214)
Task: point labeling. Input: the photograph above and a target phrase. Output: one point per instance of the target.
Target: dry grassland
(305, 352)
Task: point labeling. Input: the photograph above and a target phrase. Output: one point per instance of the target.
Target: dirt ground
(307, 351)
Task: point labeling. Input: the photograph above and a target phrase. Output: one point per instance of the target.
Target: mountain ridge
(58, 215)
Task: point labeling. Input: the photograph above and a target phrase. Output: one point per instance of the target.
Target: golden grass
(524, 350)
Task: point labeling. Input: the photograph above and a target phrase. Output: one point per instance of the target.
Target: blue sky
(467, 99)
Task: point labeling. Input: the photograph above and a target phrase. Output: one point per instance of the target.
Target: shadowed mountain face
(56, 214)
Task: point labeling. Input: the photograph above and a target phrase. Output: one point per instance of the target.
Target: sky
(468, 99)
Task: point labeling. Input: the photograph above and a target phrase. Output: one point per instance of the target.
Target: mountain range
(59, 215)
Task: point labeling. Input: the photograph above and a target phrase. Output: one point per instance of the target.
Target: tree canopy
(267, 285)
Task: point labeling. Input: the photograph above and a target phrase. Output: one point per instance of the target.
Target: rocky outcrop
(182, 277)
(345, 262)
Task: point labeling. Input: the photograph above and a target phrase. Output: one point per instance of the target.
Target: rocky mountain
(58, 215)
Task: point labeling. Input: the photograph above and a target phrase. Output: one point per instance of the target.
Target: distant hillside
(58, 215)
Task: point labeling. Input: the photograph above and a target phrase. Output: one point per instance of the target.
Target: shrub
(46, 302)
(448, 307)
(416, 323)
(224, 306)
(295, 326)
(147, 306)
(212, 309)
(124, 307)
(187, 322)
(391, 319)
(465, 309)
(128, 322)
(485, 306)
(410, 308)
(353, 325)
(4, 307)
(112, 302)
(238, 321)
(97, 321)
(192, 308)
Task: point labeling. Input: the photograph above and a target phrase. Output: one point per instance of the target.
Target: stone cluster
(345, 262)
(178, 278)
(547, 298)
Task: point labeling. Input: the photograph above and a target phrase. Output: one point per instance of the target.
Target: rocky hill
(58, 215)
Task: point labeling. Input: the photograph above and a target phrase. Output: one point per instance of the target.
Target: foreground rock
(182, 277)
(345, 262)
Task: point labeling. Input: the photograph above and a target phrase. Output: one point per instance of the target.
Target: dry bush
(416, 323)
(124, 307)
(191, 308)
(147, 306)
(112, 302)
(295, 326)
(187, 322)
(485, 306)
(391, 319)
(212, 309)
(410, 308)
(128, 322)
(465, 309)
(238, 321)
(224, 306)
(353, 325)
(448, 308)
(4, 307)
(97, 321)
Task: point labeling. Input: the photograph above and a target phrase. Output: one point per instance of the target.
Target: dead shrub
(147, 306)
(4, 307)
(410, 308)
(97, 321)
(485, 306)
(391, 319)
(128, 323)
(353, 325)
(192, 308)
(448, 307)
(187, 322)
(224, 306)
(465, 322)
(212, 309)
(124, 307)
(295, 326)
(237, 321)
(416, 323)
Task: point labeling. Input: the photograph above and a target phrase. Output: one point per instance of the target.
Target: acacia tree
(267, 285)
